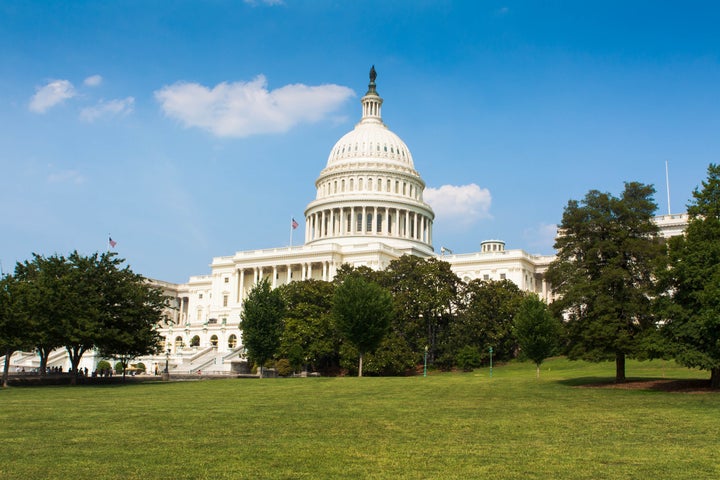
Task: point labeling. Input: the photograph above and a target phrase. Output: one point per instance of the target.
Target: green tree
(261, 322)
(693, 283)
(425, 300)
(309, 336)
(14, 331)
(603, 273)
(130, 310)
(45, 288)
(537, 331)
(363, 311)
(485, 320)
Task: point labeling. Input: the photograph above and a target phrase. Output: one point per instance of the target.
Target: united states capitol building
(368, 211)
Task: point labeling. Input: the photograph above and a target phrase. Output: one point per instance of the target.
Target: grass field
(464, 425)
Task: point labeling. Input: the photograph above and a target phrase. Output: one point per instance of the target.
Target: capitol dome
(370, 188)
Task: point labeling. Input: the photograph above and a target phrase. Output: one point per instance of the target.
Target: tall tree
(425, 298)
(43, 303)
(537, 331)
(603, 273)
(485, 320)
(14, 329)
(131, 309)
(261, 322)
(692, 283)
(362, 310)
(309, 335)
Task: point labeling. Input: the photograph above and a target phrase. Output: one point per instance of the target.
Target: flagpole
(291, 230)
(667, 184)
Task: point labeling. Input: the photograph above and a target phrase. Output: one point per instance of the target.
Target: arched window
(195, 341)
(178, 342)
(214, 340)
(232, 341)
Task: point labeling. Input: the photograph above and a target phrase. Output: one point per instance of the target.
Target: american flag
(294, 224)
(112, 242)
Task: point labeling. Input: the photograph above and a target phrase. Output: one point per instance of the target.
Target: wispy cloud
(464, 204)
(541, 237)
(93, 81)
(50, 95)
(66, 176)
(112, 107)
(241, 109)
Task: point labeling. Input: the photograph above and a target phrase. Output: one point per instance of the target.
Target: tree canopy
(83, 302)
(261, 322)
(362, 311)
(604, 273)
(692, 283)
(537, 331)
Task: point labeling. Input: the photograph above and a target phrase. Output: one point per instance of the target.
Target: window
(502, 276)
(212, 321)
(369, 223)
(225, 300)
(232, 341)
(200, 296)
(214, 340)
(378, 227)
(227, 280)
(195, 341)
(178, 342)
(486, 277)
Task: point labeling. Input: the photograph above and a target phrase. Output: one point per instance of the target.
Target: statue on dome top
(373, 74)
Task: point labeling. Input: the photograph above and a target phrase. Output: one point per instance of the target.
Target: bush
(195, 341)
(103, 366)
(283, 367)
(119, 367)
(467, 358)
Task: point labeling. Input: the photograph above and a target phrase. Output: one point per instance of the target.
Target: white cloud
(112, 107)
(93, 81)
(464, 204)
(50, 95)
(541, 237)
(66, 176)
(241, 109)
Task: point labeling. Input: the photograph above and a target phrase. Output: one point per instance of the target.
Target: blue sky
(189, 130)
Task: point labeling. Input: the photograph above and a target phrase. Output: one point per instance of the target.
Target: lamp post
(167, 362)
(425, 362)
(490, 349)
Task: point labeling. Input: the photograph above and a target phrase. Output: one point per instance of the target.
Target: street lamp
(425, 362)
(490, 349)
(167, 361)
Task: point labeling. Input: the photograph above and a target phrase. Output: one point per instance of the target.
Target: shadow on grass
(647, 383)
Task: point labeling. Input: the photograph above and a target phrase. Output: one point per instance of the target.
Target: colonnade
(388, 221)
(282, 274)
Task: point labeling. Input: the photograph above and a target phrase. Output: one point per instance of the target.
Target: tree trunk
(360, 368)
(44, 353)
(619, 368)
(715, 378)
(537, 371)
(8, 353)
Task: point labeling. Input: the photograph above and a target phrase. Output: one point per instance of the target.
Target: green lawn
(443, 426)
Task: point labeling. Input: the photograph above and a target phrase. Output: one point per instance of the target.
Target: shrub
(118, 367)
(195, 341)
(283, 367)
(467, 358)
(103, 366)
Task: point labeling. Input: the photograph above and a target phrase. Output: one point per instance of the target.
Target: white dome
(369, 189)
(370, 141)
